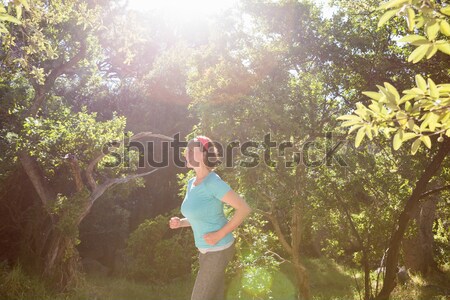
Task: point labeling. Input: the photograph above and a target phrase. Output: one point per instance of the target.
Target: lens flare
(257, 281)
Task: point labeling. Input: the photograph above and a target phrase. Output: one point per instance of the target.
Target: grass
(329, 281)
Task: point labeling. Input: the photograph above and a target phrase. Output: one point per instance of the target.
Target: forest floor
(329, 281)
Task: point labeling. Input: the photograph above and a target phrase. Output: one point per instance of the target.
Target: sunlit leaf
(359, 136)
(397, 141)
(446, 10)
(431, 51)
(392, 3)
(349, 117)
(444, 48)
(387, 16)
(411, 124)
(354, 127)
(393, 91)
(445, 27)
(410, 18)
(402, 117)
(426, 140)
(373, 95)
(434, 93)
(9, 18)
(25, 4)
(420, 82)
(415, 146)
(413, 38)
(408, 135)
(418, 53)
(432, 29)
(18, 12)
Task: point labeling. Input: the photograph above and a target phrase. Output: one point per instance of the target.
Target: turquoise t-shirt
(203, 208)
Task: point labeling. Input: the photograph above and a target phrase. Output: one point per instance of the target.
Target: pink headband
(204, 142)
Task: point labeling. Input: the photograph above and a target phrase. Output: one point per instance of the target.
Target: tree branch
(91, 167)
(41, 90)
(276, 225)
(430, 192)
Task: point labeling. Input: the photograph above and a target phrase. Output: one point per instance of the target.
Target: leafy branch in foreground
(423, 110)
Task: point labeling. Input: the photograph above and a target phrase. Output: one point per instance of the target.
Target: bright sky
(182, 8)
(187, 9)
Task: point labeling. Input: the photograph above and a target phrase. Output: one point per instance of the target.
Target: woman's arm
(184, 222)
(176, 222)
(242, 211)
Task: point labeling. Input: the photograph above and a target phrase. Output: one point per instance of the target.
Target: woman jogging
(202, 208)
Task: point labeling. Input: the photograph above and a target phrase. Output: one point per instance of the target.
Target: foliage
(423, 111)
(6, 13)
(157, 257)
(15, 283)
(257, 261)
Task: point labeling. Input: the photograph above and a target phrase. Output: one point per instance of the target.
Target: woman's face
(194, 155)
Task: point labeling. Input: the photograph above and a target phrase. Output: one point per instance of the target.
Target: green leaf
(415, 146)
(444, 88)
(359, 136)
(444, 48)
(410, 18)
(402, 117)
(354, 127)
(411, 124)
(421, 83)
(426, 140)
(392, 3)
(429, 119)
(432, 29)
(408, 135)
(9, 18)
(25, 4)
(446, 10)
(397, 141)
(350, 123)
(373, 95)
(18, 12)
(369, 132)
(387, 16)
(445, 27)
(393, 91)
(434, 92)
(349, 117)
(431, 51)
(418, 53)
(413, 38)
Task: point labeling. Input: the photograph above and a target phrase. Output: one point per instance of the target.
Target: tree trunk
(302, 279)
(62, 262)
(300, 270)
(411, 205)
(418, 248)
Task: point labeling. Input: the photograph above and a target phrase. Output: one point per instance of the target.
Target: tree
(421, 114)
(56, 43)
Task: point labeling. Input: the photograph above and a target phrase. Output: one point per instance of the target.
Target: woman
(203, 211)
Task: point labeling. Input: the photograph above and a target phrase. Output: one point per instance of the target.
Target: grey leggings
(210, 282)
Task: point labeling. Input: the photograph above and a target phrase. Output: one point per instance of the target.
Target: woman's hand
(212, 238)
(175, 223)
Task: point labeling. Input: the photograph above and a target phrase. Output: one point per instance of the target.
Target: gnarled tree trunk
(412, 204)
(57, 234)
(418, 248)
